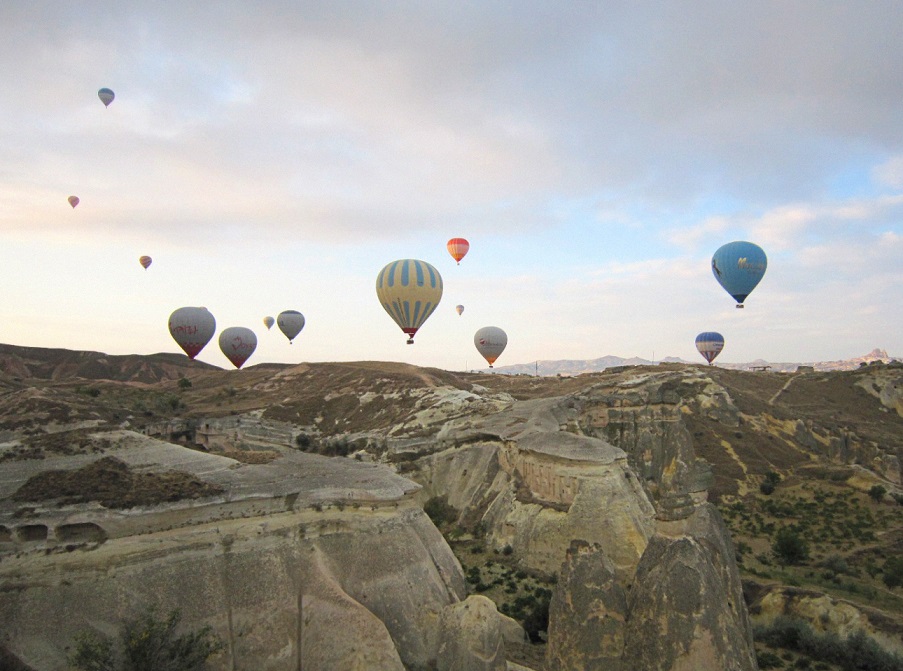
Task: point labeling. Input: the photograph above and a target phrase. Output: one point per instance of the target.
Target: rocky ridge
(596, 480)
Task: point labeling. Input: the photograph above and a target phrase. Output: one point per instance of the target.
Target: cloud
(890, 173)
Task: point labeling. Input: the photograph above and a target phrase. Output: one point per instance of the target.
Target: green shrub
(858, 652)
(790, 547)
(440, 511)
(148, 643)
(768, 660)
(877, 493)
(893, 572)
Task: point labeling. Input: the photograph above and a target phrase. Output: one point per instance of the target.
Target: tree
(148, 644)
(771, 481)
(893, 572)
(877, 493)
(789, 546)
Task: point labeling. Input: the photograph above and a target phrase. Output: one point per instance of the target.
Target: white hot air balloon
(290, 322)
(490, 342)
(238, 344)
(192, 329)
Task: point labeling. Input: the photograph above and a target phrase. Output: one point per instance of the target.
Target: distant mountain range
(578, 366)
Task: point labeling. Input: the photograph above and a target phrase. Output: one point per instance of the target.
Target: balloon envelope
(268, 322)
(459, 309)
(409, 290)
(290, 323)
(710, 345)
(145, 261)
(192, 329)
(238, 344)
(106, 96)
(490, 341)
(457, 247)
(73, 200)
(739, 266)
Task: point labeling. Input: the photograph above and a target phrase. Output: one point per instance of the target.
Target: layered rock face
(331, 563)
(535, 487)
(306, 562)
(648, 579)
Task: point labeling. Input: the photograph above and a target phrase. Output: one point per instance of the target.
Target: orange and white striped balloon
(458, 247)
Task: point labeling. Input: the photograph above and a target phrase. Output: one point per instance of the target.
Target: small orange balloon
(457, 247)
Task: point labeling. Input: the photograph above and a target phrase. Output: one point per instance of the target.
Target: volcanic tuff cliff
(596, 480)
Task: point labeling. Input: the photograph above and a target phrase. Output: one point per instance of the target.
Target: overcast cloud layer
(276, 155)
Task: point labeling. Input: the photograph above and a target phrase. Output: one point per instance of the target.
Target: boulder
(470, 637)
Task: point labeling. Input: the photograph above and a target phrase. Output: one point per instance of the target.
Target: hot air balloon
(409, 290)
(459, 309)
(290, 323)
(458, 247)
(192, 329)
(106, 96)
(739, 266)
(238, 344)
(268, 322)
(73, 200)
(145, 261)
(490, 341)
(710, 345)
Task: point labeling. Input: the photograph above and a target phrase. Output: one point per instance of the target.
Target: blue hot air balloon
(739, 266)
(710, 345)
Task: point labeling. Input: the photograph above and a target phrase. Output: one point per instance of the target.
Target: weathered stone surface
(471, 637)
(587, 614)
(339, 633)
(686, 609)
(344, 538)
(537, 487)
(642, 416)
(511, 631)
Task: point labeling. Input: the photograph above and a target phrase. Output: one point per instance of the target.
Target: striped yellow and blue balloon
(409, 290)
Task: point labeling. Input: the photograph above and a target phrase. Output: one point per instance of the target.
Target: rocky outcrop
(642, 416)
(535, 487)
(470, 637)
(327, 563)
(825, 614)
(683, 611)
(588, 593)
(686, 610)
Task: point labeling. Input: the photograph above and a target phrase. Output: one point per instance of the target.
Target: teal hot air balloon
(710, 345)
(739, 266)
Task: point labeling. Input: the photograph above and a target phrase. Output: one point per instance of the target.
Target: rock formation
(331, 562)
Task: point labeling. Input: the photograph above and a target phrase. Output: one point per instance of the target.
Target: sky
(276, 155)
